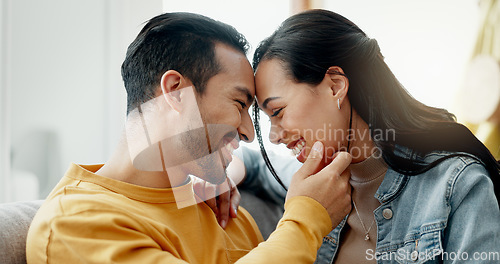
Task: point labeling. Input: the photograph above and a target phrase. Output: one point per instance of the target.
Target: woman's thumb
(311, 165)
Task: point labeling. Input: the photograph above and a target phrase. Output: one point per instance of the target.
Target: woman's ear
(171, 83)
(338, 82)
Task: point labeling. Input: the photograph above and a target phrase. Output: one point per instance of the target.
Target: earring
(338, 103)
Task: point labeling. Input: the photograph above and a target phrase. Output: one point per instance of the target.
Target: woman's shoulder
(457, 162)
(460, 173)
(444, 160)
(451, 179)
(449, 168)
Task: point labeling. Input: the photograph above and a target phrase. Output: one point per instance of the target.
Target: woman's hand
(224, 198)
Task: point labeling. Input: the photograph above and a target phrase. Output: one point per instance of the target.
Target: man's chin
(211, 169)
(212, 177)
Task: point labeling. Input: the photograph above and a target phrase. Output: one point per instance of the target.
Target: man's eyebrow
(264, 104)
(245, 92)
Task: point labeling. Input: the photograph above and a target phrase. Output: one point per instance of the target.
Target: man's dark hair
(183, 42)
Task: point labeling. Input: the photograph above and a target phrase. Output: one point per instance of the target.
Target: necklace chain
(367, 236)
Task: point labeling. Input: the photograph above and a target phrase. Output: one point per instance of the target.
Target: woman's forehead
(270, 75)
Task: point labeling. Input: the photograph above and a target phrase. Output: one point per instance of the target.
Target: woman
(424, 188)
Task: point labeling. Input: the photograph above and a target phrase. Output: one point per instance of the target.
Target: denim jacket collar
(393, 181)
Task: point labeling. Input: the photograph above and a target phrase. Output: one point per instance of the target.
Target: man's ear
(171, 83)
(338, 82)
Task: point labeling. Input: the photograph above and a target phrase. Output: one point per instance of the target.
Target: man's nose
(246, 128)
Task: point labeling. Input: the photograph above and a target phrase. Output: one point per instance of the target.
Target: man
(189, 87)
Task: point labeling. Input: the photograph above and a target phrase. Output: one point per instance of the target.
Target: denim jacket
(448, 214)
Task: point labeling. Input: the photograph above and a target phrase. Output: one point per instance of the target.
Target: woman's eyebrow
(264, 104)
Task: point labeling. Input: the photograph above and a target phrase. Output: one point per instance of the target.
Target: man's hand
(224, 198)
(330, 186)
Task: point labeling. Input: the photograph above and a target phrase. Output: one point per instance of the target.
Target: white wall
(255, 19)
(58, 81)
(427, 43)
(64, 74)
(4, 106)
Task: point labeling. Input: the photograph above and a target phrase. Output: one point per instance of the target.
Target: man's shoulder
(74, 202)
(70, 210)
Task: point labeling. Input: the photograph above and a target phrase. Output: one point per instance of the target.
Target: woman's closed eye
(276, 112)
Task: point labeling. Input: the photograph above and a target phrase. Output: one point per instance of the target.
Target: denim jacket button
(387, 213)
(414, 255)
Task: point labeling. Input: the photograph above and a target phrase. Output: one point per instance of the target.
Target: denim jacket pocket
(419, 248)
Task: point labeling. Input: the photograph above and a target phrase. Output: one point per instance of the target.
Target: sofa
(15, 219)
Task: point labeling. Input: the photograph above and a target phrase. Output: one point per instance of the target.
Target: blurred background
(62, 99)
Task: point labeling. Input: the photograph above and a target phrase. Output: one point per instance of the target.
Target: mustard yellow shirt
(93, 219)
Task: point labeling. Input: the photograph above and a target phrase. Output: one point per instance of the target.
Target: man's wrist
(309, 212)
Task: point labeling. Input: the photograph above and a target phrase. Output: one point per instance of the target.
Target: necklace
(367, 236)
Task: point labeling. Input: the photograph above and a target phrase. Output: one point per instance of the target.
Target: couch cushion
(15, 219)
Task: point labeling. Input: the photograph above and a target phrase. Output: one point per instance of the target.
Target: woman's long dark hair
(311, 42)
